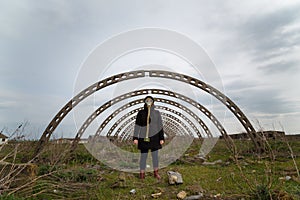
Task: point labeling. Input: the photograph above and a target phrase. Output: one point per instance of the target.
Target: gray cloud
(264, 33)
(257, 98)
(43, 44)
(280, 67)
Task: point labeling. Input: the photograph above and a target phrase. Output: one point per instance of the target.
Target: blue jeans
(143, 159)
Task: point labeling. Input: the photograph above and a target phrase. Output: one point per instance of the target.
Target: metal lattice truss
(154, 74)
(165, 115)
(133, 103)
(164, 108)
(125, 96)
(172, 126)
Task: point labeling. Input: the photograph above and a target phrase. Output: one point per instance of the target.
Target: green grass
(80, 179)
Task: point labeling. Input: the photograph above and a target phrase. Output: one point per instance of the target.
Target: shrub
(262, 192)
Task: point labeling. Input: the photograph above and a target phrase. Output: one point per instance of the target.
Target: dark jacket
(156, 132)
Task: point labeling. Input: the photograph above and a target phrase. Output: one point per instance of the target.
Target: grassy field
(83, 177)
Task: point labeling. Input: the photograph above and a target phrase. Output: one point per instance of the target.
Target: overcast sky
(255, 46)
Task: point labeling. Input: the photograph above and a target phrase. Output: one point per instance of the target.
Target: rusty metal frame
(103, 125)
(182, 97)
(78, 98)
(175, 128)
(185, 119)
(169, 124)
(166, 118)
(140, 74)
(108, 104)
(136, 102)
(121, 121)
(161, 100)
(214, 92)
(165, 115)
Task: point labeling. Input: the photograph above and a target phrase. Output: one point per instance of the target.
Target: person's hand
(161, 142)
(135, 141)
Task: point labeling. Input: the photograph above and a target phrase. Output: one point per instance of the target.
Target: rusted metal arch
(184, 117)
(169, 102)
(217, 94)
(166, 123)
(201, 108)
(132, 119)
(133, 103)
(173, 119)
(140, 74)
(178, 114)
(174, 127)
(129, 129)
(114, 114)
(169, 128)
(78, 98)
(120, 121)
(165, 116)
(187, 110)
(108, 104)
(162, 100)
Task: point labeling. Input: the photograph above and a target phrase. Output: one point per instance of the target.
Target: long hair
(142, 117)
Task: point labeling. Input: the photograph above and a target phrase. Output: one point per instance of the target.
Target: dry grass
(240, 175)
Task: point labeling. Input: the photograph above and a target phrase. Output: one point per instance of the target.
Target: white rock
(181, 195)
(287, 178)
(156, 195)
(133, 191)
(194, 197)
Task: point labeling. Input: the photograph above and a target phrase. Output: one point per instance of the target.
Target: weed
(10, 197)
(262, 192)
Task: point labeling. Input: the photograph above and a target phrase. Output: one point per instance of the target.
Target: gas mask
(149, 103)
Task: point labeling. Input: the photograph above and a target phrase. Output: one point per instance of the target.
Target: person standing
(148, 135)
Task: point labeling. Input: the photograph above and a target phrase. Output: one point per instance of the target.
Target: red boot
(156, 175)
(142, 174)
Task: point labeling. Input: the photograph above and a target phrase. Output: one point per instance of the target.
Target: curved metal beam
(174, 127)
(103, 125)
(133, 103)
(169, 126)
(183, 117)
(118, 122)
(78, 98)
(132, 119)
(217, 94)
(162, 100)
(167, 122)
(164, 114)
(187, 110)
(140, 74)
(166, 118)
